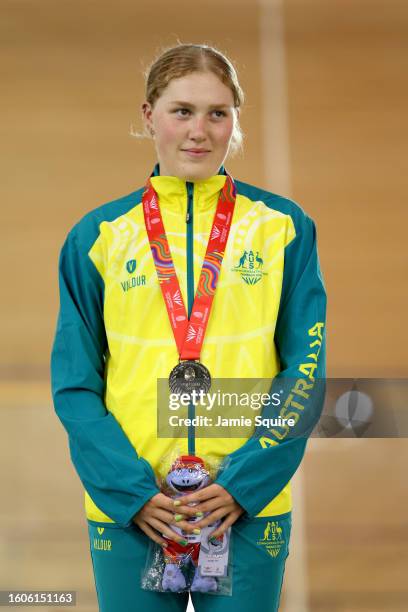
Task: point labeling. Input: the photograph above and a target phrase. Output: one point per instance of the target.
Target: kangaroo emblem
(267, 531)
(250, 267)
(242, 260)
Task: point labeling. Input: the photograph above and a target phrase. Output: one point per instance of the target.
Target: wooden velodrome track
(328, 105)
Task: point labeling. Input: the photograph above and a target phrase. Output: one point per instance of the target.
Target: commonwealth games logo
(250, 267)
(273, 538)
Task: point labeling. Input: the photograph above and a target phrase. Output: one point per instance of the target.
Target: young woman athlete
(263, 317)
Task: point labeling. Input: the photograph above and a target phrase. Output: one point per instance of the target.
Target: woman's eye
(182, 112)
(218, 114)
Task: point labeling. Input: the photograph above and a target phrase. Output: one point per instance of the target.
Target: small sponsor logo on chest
(134, 281)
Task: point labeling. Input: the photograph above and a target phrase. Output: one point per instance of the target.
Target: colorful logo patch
(250, 267)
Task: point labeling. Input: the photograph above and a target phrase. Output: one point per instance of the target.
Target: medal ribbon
(189, 333)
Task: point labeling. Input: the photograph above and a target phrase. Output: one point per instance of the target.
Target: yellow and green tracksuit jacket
(113, 339)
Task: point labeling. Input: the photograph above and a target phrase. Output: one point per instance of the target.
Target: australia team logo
(272, 538)
(250, 267)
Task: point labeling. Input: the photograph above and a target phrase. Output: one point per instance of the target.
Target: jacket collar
(172, 191)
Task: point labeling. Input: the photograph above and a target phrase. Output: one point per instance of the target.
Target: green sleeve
(117, 480)
(257, 472)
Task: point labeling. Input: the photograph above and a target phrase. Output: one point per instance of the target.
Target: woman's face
(193, 121)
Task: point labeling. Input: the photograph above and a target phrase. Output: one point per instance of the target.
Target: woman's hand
(155, 518)
(161, 512)
(213, 499)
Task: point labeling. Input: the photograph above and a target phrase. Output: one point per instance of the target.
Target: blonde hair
(185, 59)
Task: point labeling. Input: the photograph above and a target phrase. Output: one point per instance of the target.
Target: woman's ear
(147, 117)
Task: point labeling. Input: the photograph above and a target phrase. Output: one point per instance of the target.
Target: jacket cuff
(244, 499)
(139, 505)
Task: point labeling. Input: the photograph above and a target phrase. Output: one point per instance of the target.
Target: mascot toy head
(186, 475)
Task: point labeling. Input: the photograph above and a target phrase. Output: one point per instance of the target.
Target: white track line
(275, 125)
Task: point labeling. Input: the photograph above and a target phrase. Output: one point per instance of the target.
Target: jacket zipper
(190, 294)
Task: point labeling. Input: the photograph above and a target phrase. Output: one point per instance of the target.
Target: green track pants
(260, 547)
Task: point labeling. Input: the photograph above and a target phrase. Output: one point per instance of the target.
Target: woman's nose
(198, 128)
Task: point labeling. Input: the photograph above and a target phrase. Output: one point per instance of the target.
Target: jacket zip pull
(189, 213)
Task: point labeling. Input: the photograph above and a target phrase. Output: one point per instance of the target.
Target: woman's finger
(190, 527)
(163, 515)
(177, 520)
(213, 516)
(153, 535)
(218, 496)
(183, 509)
(171, 518)
(227, 522)
(206, 506)
(164, 529)
(161, 501)
(206, 493)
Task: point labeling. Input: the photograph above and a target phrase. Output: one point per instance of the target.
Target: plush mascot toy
(186, 475)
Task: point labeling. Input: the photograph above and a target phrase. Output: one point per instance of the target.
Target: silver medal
(189, 375)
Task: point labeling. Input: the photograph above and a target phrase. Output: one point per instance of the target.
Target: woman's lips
(196, 152)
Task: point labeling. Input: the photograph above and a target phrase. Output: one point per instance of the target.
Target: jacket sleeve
(117, 480)
(258, 471)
